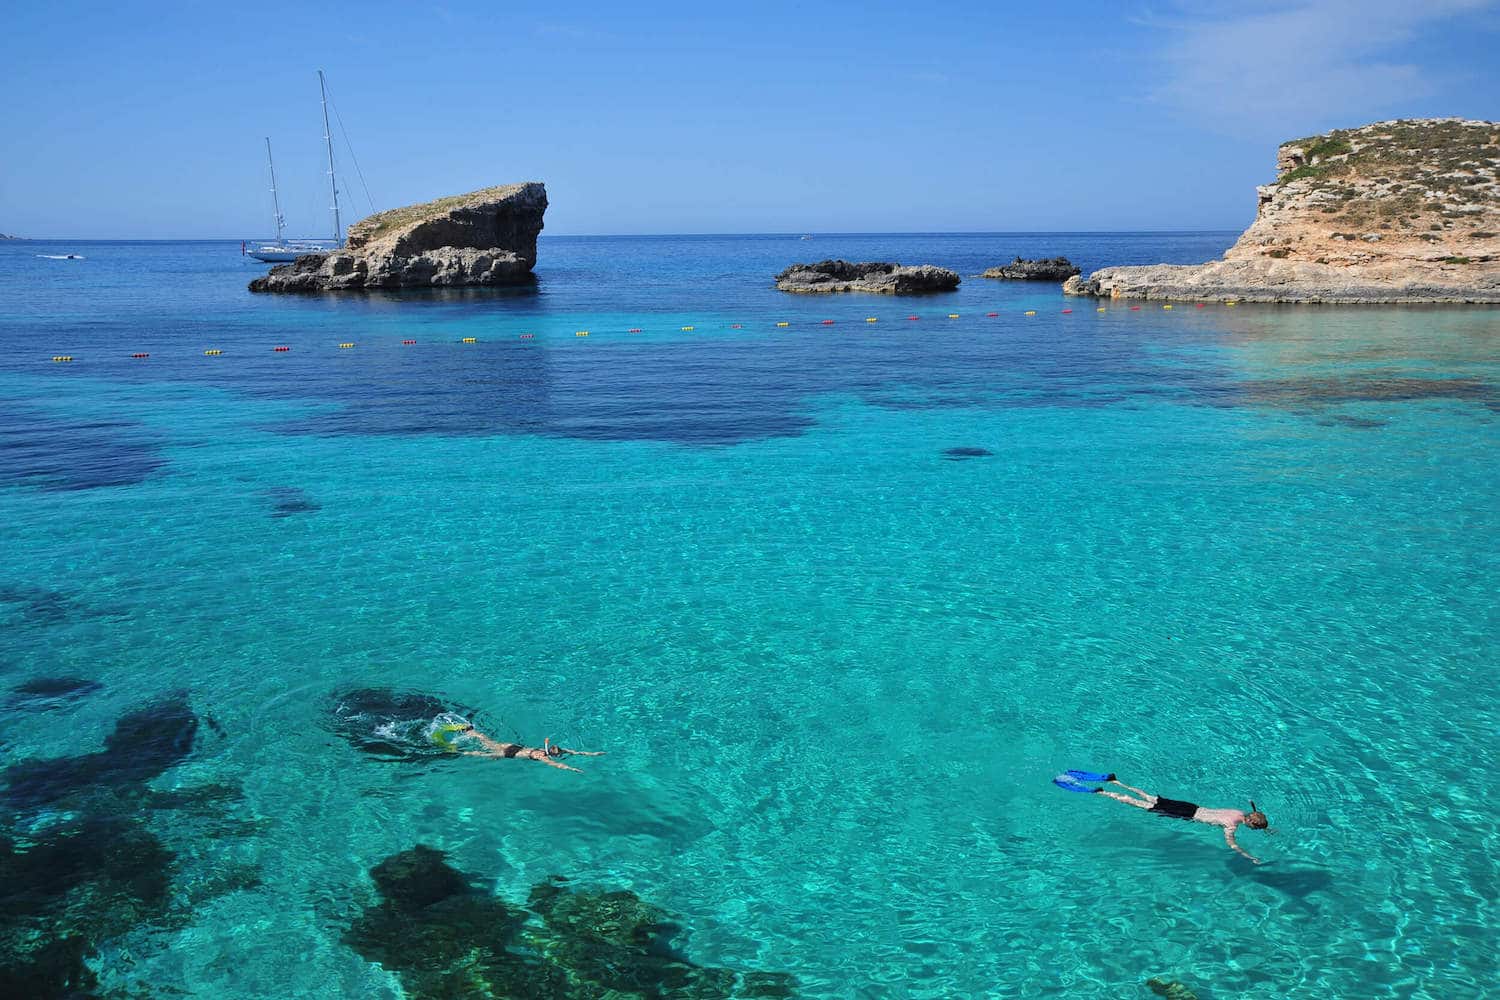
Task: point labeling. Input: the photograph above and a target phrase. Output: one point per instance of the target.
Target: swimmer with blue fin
(450, 731)
(1226, 819)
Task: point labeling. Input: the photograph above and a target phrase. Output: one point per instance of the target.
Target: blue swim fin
(1090, 776)
(1070, 784)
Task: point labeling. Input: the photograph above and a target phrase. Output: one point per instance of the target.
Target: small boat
(61, 256)
(280, 250)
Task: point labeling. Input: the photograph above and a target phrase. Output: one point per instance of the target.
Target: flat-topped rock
(867, 276)
(1043, 269)
(485, 237)
(1398, 211)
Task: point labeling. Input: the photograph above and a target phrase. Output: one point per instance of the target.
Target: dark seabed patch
(56, 453)
(445, 938)
(36, 605)
(289, 500)
(143, 745)
(960, 454)
(1321, 391)
(1358, 423)
(45, 693)
(390, 724)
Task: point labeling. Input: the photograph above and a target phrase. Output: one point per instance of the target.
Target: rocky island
(868, 276)
(1398, 211)
(486, 237)
(1043, 269)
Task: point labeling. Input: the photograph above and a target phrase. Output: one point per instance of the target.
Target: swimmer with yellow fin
(451, 729)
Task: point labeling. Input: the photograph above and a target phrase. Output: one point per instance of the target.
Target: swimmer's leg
(1151, 799)
(1129, 799)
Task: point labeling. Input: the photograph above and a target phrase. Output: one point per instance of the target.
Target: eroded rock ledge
(868, 276)
(1398, 211)
(486, 237)
(1043, 269)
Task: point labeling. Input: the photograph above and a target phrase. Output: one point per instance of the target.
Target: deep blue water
(838, 599)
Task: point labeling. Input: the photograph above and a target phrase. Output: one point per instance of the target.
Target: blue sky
(148, 120)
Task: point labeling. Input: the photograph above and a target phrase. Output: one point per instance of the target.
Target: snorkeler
(1227, 819)
(548, 753)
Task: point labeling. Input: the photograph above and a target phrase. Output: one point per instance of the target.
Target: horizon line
(545, 235)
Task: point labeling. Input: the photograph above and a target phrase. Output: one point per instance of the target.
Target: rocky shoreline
(484, 238)
(1394, 212)
(877, 277)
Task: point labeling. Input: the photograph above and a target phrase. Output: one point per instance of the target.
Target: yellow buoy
(783, 324)
(471, 340)
(62, 357)
(1101, 309)
(953, 315)
(1031, 312)
(1167, 306)
(581, 333)
(346, 345)
(870, 319)
(213, 353)
(687, 328)
(1231, 302)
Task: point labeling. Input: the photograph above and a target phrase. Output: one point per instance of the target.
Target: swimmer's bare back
(1227, 819)
(547, 753)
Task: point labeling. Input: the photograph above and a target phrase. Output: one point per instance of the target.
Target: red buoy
(1200, 305)
(408, 341)
(992, 314)
(1067, 310)
(634, 329)
(735, 326)
(911, 317)
(527, 336)
(140, 355)
(280, 348)
(828, 322)
(1135, 308)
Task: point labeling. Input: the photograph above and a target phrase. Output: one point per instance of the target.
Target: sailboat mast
(333, 181)
(275, 202)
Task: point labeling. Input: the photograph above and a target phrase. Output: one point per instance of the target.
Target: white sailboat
(280, 250)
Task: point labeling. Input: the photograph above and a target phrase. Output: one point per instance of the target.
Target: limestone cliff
(486, 237)
(1398, 211)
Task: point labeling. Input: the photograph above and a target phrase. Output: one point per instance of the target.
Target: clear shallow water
(1224, 552)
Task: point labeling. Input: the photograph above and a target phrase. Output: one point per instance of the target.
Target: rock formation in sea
(1044, 269)
(486, 237)
(1398, 211)
(869, 276)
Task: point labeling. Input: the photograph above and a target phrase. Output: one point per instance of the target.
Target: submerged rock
(289, 500)
(1171, 989)
(143, 745)
(393, 725)
(1045, 269)
(45, 693)
(485, 237)
(446, 938)
(960, 454)
(870, 276)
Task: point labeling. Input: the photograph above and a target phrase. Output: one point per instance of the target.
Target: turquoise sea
(1227, 552)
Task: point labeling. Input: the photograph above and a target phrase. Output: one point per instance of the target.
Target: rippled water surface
(838, 599)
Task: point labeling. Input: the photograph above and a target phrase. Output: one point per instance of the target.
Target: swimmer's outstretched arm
(1229, 839)
(547, 744)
